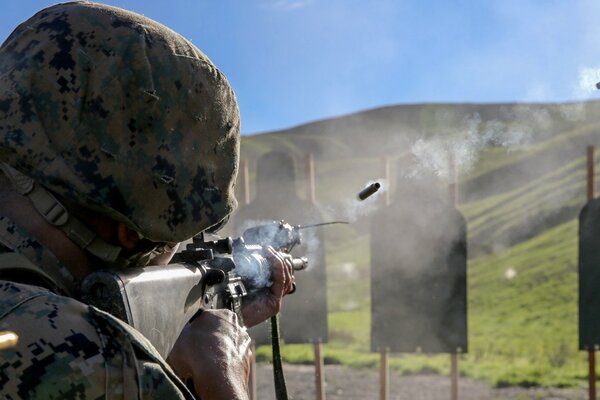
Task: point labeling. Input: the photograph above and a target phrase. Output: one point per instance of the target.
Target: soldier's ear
(128, 238)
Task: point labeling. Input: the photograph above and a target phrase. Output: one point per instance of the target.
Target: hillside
(395, 127)
(522, 184)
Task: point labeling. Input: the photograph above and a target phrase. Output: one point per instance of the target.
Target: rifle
(211, 273)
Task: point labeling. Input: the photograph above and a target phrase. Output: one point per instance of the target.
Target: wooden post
(591, 184)
(310, 178)
(252, 379)
(452, 193)
(384, 376)
(245, 182)
(384, 365)
(452, 181)
(455, 374)
(591, 193)
(453, 198)
(387, 175)
(592, 374)
(319, 371)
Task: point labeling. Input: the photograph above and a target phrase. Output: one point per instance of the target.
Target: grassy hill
(522, 184)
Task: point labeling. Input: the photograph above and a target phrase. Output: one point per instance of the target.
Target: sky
(295, 61)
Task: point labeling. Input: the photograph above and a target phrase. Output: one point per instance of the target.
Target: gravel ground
(347, 383)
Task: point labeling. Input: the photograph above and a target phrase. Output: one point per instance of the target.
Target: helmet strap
(55, 213)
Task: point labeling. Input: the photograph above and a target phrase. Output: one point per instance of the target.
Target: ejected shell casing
(368, 191)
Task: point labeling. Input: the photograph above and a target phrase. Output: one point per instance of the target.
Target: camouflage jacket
(67, 349)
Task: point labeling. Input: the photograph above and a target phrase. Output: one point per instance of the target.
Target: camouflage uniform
(115, 113)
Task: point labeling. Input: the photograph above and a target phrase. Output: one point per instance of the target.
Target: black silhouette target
(589, 276)
(418, 277)
(303, 318)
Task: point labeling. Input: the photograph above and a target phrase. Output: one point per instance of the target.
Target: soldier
(118, 139)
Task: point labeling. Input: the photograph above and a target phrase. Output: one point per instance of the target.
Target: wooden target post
(591, 184)
(592, 374)
(591, 193)
(245, 182)
(455, 374)
(453, 198)
(452, 181)
(384, 375)
(384, 365)
(387, 168)
(309, 174)
(245, 200)
(310, 177)
(319, 371)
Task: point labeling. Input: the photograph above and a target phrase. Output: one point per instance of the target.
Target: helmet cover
(121, 115)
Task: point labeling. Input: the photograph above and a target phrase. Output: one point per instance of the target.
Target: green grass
(524, 329)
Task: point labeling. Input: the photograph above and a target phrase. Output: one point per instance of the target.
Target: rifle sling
(280, 387)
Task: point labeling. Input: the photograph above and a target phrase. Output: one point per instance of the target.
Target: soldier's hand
(268, 303)
(212, 355)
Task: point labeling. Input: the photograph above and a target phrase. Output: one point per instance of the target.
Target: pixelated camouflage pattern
(122, 115)
(15, 239)
(68, 350)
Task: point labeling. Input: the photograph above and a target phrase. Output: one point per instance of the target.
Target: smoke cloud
(461, 147)
(588, 78)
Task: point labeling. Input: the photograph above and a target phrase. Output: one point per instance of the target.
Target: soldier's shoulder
(68, 349)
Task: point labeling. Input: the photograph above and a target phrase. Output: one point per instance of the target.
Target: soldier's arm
(212, 356)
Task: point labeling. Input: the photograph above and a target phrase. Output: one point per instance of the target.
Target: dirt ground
(349, 384)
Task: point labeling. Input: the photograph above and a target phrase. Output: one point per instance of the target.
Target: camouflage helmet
(119, 114)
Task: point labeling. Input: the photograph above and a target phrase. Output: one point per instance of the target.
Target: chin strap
(55, 213)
